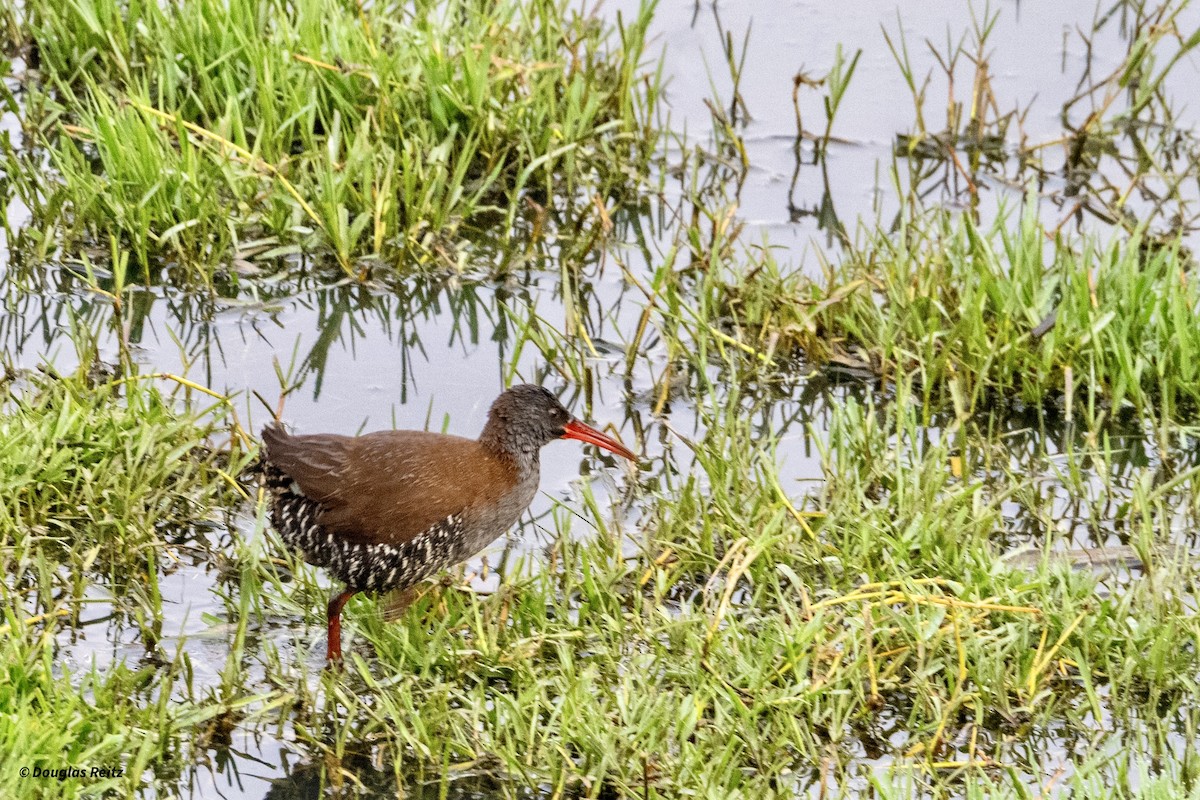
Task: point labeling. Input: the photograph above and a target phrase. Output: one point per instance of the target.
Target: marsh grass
(727, 631)
(997, 315)
(998, 301)
(103, 477)
(753, 638)
(94, 471)
(191, 128)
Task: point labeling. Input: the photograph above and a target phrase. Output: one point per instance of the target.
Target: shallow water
(434, 352)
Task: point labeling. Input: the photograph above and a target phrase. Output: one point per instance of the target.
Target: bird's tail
(273, 436)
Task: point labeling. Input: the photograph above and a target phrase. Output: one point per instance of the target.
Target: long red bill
(586, 433)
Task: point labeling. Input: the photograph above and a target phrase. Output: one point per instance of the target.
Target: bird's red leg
(333, 651)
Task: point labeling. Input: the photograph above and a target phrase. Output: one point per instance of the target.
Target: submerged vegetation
(920, 522)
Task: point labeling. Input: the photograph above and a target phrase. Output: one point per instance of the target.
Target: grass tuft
(383, 131)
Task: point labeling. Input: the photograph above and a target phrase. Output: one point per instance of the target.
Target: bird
(385, 510)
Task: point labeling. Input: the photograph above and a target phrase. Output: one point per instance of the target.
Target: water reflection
(244, 774)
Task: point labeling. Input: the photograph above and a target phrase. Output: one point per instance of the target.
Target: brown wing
(314, 462)
(391, 485)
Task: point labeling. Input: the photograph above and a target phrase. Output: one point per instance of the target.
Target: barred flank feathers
(375, 567)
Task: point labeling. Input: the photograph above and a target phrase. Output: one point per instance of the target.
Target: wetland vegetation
(918, 511)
